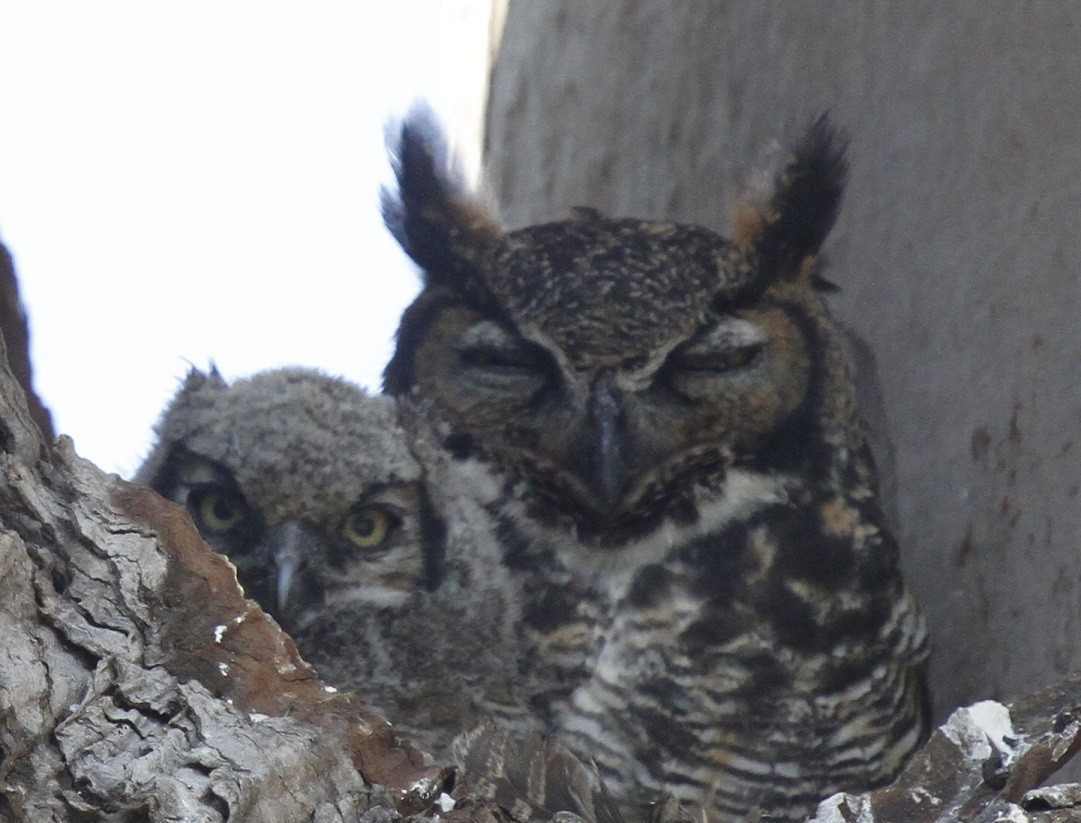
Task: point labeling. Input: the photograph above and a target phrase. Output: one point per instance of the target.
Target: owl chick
(318, 494)
(662, 424)
(306, 483)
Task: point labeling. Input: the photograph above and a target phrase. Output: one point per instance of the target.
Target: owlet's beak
(287, 546)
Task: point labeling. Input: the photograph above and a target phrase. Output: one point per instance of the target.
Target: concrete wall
(957, 248)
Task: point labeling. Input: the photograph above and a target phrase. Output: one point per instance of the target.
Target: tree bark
(15, 331)
(984, 765)
(137, 683)
(956, 249)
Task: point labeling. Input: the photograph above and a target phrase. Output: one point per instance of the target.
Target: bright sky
(183, 183)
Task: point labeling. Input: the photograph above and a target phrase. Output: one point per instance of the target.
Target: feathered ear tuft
(444, 230)
(195, 391)
(805, 201)
(430, 214)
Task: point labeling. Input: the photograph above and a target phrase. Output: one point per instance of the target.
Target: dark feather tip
(820, 283)
(426, 186)
(807, 196)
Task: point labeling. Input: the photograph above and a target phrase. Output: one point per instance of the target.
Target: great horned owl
(330, 503)
(661, 422)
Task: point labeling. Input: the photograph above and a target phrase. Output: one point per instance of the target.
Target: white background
(182, 183)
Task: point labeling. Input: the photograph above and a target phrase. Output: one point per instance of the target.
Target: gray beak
(286, 546)
(606, 414)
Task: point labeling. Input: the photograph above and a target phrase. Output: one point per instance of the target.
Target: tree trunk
(15, 331)
(956, 249)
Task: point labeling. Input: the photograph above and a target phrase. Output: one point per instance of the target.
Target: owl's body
(331, 505)
(712, 605)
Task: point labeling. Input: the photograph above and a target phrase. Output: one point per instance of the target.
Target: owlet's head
(304, 481)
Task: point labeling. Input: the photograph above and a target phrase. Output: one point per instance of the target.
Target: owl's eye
(367, 527)
(731, 344)
(507, 358)
(487, 345)
(719, 360)
(218, 510)
(705, 367)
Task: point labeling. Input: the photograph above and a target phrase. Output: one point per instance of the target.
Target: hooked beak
(606, 416)
(286, 552)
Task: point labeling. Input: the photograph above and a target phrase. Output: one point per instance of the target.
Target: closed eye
(506, 357)
(493, 353)
(717, 360)
(711, 364)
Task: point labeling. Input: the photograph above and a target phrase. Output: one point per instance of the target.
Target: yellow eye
(367, 526)
(218, 510)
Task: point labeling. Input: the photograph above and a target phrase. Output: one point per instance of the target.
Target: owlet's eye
(218, 510)
(367, 527)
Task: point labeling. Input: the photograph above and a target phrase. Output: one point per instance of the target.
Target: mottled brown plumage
(661, 423)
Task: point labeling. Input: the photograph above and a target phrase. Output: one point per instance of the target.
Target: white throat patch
(612, 569)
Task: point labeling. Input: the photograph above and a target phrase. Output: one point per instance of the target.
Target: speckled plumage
(295, 461)
(661, 423)
(532, 776)
(270, 448)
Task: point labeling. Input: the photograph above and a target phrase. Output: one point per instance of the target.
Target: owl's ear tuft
(430, 214)
(196, 380)
(804, 204)
(195, 391)
(443, 228)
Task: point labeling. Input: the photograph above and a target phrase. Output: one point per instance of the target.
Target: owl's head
(617, 366)
(304, 481)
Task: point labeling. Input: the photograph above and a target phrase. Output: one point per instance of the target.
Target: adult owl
(662, 424)
(331, 505)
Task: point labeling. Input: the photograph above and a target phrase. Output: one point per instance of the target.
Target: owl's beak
(287, 567)
(606, 414)
(286, 552)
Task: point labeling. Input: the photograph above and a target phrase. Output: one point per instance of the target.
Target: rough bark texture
(15, 330)
(983, 765)
(957, 249)
(136, 682)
